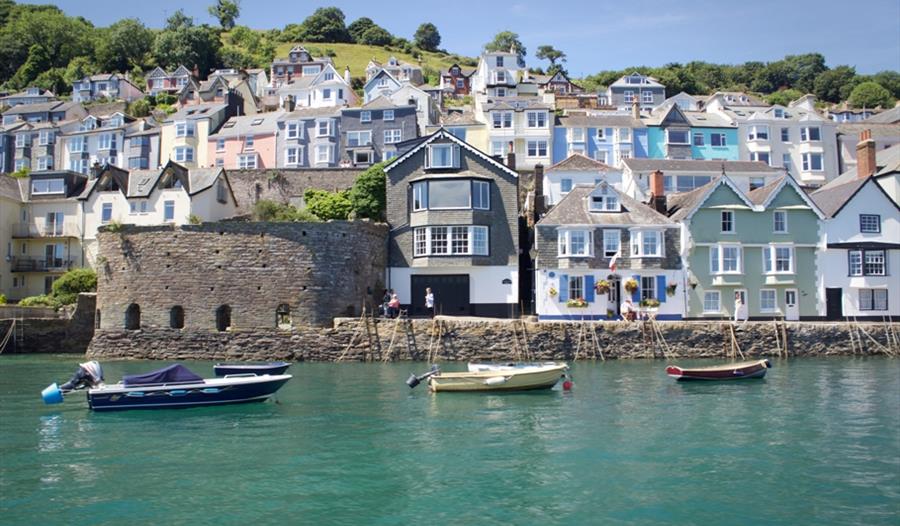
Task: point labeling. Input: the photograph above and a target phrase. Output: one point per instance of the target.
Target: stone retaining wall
(498, 340)
(57, 334)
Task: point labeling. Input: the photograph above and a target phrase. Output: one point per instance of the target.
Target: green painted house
(751, 252)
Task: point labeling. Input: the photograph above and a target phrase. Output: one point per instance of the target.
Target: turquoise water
(816, 442)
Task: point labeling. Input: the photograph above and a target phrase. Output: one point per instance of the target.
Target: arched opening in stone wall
(283, 316)
(176, 317)
(223, 318)
(133, 317)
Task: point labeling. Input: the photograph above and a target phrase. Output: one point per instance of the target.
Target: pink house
(246, 142)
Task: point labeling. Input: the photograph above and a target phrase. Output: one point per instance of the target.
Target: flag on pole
(612, 262)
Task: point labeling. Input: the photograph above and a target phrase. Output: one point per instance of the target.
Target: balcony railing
(41, 264)
(64, 229)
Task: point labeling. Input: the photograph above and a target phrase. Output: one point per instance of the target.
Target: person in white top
(429, 302)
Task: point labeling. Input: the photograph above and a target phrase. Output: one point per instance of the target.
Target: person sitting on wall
(628, 310)
(394, 306)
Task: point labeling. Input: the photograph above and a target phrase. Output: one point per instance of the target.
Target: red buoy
(567, 385)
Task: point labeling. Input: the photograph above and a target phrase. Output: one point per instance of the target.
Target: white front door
(791, 309)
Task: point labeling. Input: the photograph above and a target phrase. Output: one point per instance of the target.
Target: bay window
(758, 133)
(451, 194)
(323, 153)
(184, 154)
(575, 243)
(812, 162)
(778, 259)
(294, 130)
(76, 144)
(810, 133)
(725, 259)
(502, 119)
(677, 137)
(462, 240)
(646, 243)
(184, 129)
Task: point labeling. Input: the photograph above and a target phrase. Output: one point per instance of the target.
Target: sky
(595, 34)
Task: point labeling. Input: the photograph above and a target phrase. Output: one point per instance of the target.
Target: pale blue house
(605, 138)
(673, 133)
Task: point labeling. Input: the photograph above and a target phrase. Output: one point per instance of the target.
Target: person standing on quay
(429, 302)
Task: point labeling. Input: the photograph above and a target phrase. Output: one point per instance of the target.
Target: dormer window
(443, 156)
(778, 113)
(48, 186)
(605, 201)
(184, 129)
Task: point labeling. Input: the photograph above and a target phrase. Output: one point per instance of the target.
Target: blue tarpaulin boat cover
(167, 375)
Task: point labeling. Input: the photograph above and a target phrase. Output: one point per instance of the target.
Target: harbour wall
(461, 339)
(43, 330)
(238, 275)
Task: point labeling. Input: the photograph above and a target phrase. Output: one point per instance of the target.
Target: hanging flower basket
(631, 285)
(577, 303)
(670, 289)
(552, 292)
(650, 303)
(602, 287)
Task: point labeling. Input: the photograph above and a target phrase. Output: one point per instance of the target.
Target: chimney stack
(865, 155)
(538, 191)
(511, 157)
(347, 74)
(635, 108)
(289, 103)
(658, 192)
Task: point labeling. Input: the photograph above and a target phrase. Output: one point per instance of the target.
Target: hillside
(357, 56)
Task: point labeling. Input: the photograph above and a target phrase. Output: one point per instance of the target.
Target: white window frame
(248, 161)
(807, 160)
(758, 132)
(294, 130)
(432, 157)
(481, 195)
(768, 300)
(220, 144)
(564, 243)
(388, 115)
(708, 295)
(731, 220)
(783, 222)
(365, 116)
(424, 240)
(249, 143)
(687, 137)
(806, 134)
(359, 135)
(770, 256)
(78, 140)
(540, 148)
(184, 129)
(327, 131)
(717, 259)
(646, 97)
(104, 207)
(611, 238)
(638, 244)
(297, 154)
(539, 118)
(320, 148)
(183, 154)
(393, 136)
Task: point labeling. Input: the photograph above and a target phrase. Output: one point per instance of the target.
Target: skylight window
(256, 122)
(229, 124)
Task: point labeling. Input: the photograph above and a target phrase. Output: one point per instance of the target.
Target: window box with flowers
(552, 292)
(602, 287)
(577, 303)
(670, 289)
(650, 303)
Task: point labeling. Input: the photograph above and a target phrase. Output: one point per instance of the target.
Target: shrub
(266, 210)
(194, 219)
(2, 299)
(21, 173)
(368, 193)
(328, 205)
(39, 301)
(73, 282)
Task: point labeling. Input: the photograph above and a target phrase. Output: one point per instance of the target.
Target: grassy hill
(357, 56)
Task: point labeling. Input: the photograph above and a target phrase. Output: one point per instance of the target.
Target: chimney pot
(658, 191)
(865, 155)
(511, 158)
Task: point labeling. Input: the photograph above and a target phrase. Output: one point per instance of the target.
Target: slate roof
(831, 199)
(459, 118)
(379, 103)
(262, 124)
(759, 195)
(678, 165)
(56, 105)
(891, 116)
(622, 83)
(878, 130)
(588, 121)
(463, 72)
(680, 205)
(517, 104)
(886, 161)
(578, 162)
(309, 113)
(573, 210)
(197, 111)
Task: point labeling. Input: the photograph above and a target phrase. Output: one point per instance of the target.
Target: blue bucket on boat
(52, 394)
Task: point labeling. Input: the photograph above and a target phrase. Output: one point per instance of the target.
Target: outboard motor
(414, 380)
(89, 374)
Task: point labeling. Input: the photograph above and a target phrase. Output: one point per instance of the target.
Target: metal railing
(41, 264)
(45, 229)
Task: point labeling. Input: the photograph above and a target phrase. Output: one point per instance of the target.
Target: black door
(833, 304)
(451, 294)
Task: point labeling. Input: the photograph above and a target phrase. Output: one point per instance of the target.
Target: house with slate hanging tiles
(577, 169)
(861, 261)
(760, 246)
(598, 247)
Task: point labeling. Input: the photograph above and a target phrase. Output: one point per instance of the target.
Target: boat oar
(414, 380)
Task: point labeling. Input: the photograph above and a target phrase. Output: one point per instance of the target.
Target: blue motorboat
(174, 386)
(224, 369)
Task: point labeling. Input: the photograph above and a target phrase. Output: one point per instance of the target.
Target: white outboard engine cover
(94, 370)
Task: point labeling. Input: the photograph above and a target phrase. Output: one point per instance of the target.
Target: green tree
(124, 45)
(72, 283)
(427, 37)
(184, 43)
(360, 26)
(803, 70)
(326, 24)
(376, 36)
(829, 84)
(78, 68)
(871, 95)
(784, 97)
(367, 196)
(328, 205)
(267, 210)
(60, 36)
(890, 80)
(37, 62)
(771, 78)
(505, 41)
(226, 12)
(555, 56)
(139, 108)
(6, 7)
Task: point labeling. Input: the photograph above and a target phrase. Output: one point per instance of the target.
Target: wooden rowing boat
(731, 371)
(513, 379)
